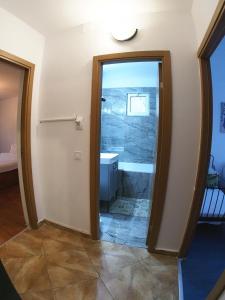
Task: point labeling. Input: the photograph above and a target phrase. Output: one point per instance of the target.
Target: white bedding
(8, 162)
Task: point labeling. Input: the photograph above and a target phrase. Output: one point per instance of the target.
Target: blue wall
(218, 81)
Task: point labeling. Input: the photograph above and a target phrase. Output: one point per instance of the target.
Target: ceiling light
(124, 33)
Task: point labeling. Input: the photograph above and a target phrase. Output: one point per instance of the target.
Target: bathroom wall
(135, 184)
(132, 137)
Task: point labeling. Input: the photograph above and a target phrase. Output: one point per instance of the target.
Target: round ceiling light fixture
(122, 33)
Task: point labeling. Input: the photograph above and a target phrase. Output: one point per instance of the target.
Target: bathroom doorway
(130, 144)
(129, 126)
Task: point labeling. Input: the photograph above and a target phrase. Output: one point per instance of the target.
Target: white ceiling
(10, 80)
(51, 16)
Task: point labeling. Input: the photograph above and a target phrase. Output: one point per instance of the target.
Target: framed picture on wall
(222, 117)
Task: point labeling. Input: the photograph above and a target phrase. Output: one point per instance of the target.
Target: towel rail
(76, 119)
(62, 119)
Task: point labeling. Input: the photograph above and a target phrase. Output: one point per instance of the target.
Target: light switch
(77, 155)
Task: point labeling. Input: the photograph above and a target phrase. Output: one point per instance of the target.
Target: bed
(8, 168)
(213, 206)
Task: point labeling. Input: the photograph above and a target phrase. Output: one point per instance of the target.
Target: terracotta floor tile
(24, 245)
(28, 274)
(55, 264)
(85, 290)
(140, 253)
(61, 276)
(45, 295)
(136, 282)
(73, 260)
(165, 263)
(63, 236)
(52, 246)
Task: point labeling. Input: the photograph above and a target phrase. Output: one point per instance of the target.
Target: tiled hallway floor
(51, 263)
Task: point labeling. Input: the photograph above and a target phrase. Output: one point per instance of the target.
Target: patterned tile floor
(122, 229)
(55, 264)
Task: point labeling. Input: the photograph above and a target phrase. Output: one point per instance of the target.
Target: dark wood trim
(25, 132)
(163, 151)
(165, 252)
(164, 137)
(214, 33)
(218, 289)
(212, 38)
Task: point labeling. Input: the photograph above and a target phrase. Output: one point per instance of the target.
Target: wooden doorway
(163, 143)
(25, 131)
(210, 42)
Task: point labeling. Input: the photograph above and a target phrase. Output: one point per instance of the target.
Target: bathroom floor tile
(122, 229)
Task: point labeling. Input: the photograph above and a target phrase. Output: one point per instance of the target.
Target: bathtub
(136, 167)
(135, 180)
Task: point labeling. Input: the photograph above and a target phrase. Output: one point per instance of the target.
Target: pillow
(13, 149)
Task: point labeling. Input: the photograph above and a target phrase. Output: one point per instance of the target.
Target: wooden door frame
(214, 35)
(218, 289)
(25, 129)
(164, 137)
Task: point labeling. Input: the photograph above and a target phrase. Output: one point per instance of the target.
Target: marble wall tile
(135, 184)
(132, 137)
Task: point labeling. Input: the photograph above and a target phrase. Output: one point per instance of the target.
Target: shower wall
(132, 137)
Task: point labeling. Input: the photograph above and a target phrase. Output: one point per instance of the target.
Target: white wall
(218, 83)
(202, 12)
(20, 39)
(8, 123)
(67, 90)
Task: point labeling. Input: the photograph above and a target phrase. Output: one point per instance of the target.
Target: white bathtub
(136, 167)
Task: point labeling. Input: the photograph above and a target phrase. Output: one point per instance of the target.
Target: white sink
(108, 158)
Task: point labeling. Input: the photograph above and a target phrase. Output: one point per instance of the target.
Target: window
(138, 105)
